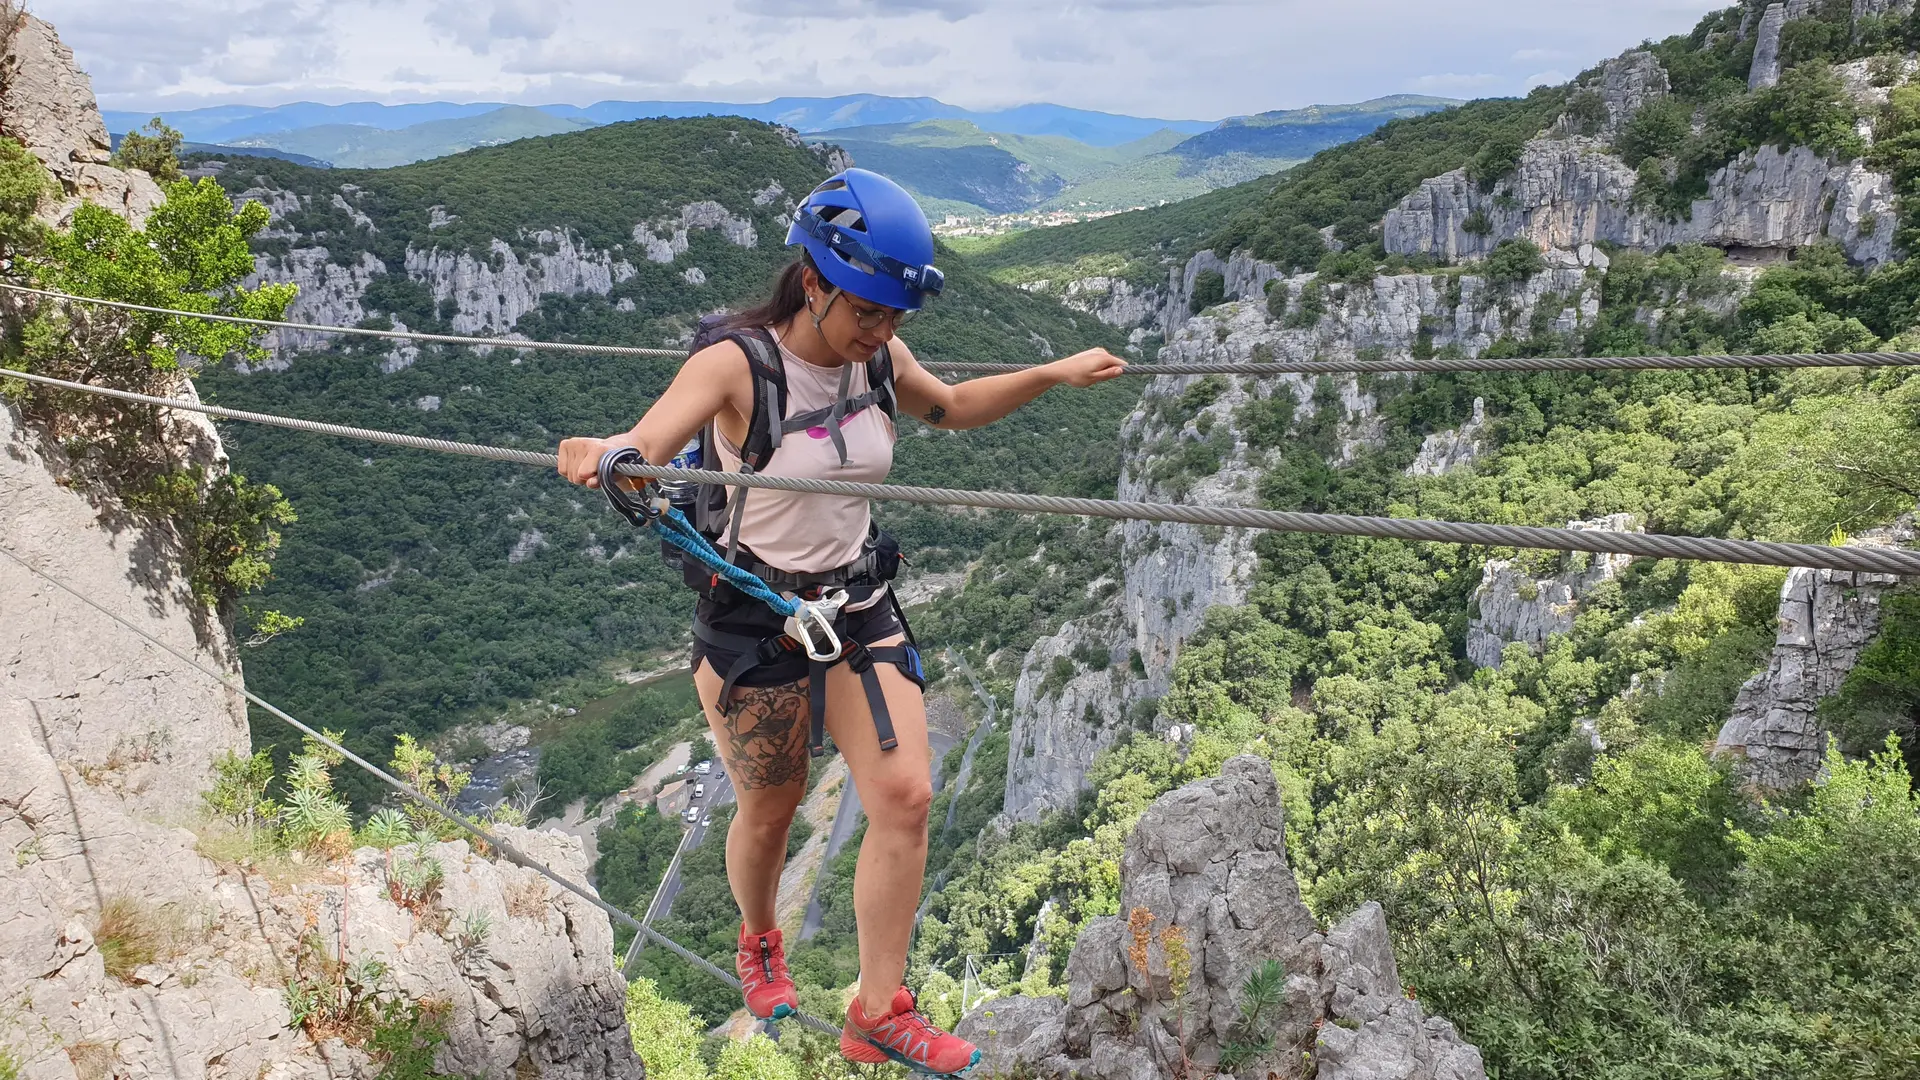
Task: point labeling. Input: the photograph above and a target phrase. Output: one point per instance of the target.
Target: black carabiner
(636, 506)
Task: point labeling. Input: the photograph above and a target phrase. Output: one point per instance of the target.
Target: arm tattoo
(936, 414)
(767, 735)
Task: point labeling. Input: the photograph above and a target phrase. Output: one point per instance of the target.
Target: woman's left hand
(1084, 369)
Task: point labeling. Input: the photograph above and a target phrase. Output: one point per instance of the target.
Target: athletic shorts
(756, 620)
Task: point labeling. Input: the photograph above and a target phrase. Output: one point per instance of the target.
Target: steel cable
(1300, 367)
(513, 854)
(1863, 559)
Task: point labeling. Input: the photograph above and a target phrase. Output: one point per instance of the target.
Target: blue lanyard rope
(675, 529)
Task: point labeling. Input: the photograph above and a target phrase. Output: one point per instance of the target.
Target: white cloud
(1545, 78)
(1196, 59)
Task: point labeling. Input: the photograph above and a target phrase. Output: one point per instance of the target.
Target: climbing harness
(812, 625)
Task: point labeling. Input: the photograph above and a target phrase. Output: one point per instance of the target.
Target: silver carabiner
(818, 616)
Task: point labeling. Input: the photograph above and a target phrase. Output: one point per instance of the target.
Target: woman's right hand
(580, 460)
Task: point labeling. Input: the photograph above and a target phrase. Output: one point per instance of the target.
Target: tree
(757, 1058)
(154, 149)
(664, 1033)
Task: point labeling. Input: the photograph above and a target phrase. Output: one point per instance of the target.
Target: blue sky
(1186, 59)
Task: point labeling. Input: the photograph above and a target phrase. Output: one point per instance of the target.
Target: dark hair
(789, 299)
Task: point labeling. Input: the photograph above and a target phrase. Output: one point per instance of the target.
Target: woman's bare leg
(762, 739)
(895, 790)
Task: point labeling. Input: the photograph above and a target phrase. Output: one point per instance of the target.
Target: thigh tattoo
(767, 735)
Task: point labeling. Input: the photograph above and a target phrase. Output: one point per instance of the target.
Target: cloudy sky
(1185, 59)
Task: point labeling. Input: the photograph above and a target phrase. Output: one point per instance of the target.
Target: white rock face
(141, 723)
(1766, 50)
(1571, 192)
(493, 294)
(1827, 619)
(1444, 451)
(541, 988)
(1210, 858)
(1624, 84)
(329, 294)
(50, 108)
(1515, 606)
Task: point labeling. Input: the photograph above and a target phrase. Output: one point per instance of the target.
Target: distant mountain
(233, 123)
(959, 167)
(187, 149)
(1299, 134)
(358, 146)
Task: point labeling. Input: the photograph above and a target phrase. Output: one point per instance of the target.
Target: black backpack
(769, 421)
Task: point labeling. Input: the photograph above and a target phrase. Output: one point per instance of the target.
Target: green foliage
(154, 148)
(1209, 288)
(635, 849)
(239, 792)
(595, 759)
(406, 1036)
(229, 527)
(1881, 697)
(311, 818)
(1265, 989)
(1513, 262)
(756, 1058)
(437, 780)
(24, 183)
(10, 1064)
(1497, 158)
(1351, 186)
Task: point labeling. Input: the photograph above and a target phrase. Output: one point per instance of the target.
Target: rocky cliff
(1174, 573)
(137, 937)
(477, 292)
(1827, 619)
(1208, 863)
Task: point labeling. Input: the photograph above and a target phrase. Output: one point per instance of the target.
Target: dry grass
(92, 1060)
(129, 934)
(253, 851)
(527, 898)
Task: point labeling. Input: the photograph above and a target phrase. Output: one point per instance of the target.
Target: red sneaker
(762, 966)
(905, 1036)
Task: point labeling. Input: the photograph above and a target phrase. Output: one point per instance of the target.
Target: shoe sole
(864, 1050)
(780, 1012)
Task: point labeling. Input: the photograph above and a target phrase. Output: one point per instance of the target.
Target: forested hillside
(1555, 773)
(433, 587)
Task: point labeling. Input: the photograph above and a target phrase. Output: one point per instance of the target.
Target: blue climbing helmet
(868, 237)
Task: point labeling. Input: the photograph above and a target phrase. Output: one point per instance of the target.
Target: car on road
(704, 767)
(699, 791)
(706, 821)
(692, 814)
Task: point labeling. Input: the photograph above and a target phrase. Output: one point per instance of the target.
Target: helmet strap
(820, 316)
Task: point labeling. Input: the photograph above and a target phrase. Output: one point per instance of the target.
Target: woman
(863, 270)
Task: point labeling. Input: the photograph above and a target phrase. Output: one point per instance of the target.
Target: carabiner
(638, 507)
(819, 615)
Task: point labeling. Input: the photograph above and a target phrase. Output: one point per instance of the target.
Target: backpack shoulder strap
(769, 396)
(880, 380)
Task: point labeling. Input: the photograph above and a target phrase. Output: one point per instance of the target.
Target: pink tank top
(804, 533)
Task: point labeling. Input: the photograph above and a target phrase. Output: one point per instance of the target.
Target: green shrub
(1513, 262)
(154, 148)
(1209, 288)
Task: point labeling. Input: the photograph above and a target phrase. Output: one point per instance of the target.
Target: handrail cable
(1870, 559)
(1296, 367)
(513, 854)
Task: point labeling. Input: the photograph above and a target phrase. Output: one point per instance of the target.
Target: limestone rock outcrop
(1568, 192)
(1827, 619)
(1210, 861)
(1514, 605)
(1623, 84)
(49, 106)
(1766, 49)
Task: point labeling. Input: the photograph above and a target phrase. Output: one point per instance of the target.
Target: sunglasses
(869, 318)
